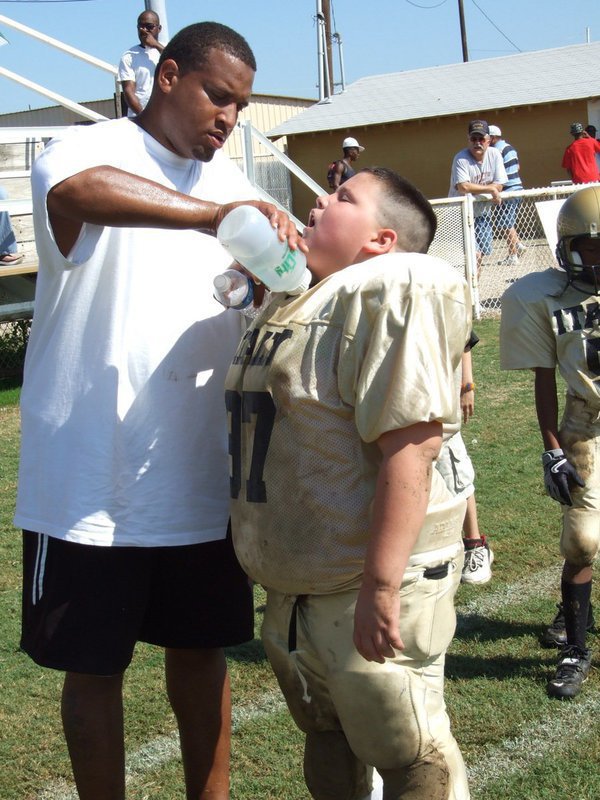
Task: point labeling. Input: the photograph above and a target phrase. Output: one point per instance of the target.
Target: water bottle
(252, 241)
(234, 289)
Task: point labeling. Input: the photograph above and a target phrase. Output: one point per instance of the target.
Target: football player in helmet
(545, 325)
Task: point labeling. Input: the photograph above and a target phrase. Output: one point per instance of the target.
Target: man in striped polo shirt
(507, 212)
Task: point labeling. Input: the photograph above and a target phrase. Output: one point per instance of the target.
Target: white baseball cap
(495, 130)
(351, 142)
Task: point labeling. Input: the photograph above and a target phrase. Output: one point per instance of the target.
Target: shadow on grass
(505, 667)
(484, 629)
(247, 653)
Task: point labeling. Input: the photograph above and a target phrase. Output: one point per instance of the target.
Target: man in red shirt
(580, 157)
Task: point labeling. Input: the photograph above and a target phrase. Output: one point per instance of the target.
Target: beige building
(416, 121)
(264, 112)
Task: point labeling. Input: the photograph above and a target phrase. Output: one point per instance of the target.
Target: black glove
(559, 476)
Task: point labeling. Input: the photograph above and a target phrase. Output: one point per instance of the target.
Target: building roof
(543, 76)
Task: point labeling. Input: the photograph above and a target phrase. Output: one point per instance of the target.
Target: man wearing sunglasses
(137, 65)
(478, 169)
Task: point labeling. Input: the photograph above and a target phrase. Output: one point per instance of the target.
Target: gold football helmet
(578, 220)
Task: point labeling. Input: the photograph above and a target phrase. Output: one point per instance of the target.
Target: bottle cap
(222, 283)
(304, 284)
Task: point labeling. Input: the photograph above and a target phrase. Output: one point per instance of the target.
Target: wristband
(467, 387)
(548, 456)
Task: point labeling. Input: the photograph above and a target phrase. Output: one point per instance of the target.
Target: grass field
(517, 742)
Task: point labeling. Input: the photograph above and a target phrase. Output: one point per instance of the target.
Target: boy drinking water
(336, 400)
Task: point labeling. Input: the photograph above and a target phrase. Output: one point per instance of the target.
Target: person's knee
(331, 770)
(428, 776)
(579, 544)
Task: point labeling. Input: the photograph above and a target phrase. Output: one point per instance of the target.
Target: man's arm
(112, 197)
(149, 40)
(466, 187)
(399, 508)
(133, 103)
(340, 168)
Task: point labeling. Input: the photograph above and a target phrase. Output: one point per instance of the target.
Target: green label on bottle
(288, 264)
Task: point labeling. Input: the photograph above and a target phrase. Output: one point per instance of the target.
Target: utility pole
(322, 60)
(463, 30)
(328, 41)
(160, 7)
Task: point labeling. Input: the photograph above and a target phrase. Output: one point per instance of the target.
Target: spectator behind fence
(591, 131)
(137, 65)
(580, 156)
(507, 213)
(478, 169)
(8, 242)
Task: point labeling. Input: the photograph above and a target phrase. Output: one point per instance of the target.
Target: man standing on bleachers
(137, 65)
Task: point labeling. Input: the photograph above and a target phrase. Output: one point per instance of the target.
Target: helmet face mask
(578, 249)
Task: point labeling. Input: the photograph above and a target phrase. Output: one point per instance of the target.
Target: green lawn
(517, 742)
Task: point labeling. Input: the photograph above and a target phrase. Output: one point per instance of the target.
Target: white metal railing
(77, 108)
(249, 134)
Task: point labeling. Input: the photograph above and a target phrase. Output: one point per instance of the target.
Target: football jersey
(316, 380)
(546, 323)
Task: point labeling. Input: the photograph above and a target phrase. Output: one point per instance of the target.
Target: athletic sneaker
(509, 261)
(571, 672)
(478, 563)
(555, 634)
(520, 248)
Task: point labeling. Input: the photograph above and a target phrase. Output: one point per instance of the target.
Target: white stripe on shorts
(40, 568)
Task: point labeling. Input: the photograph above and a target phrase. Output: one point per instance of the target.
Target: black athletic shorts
(84, 607)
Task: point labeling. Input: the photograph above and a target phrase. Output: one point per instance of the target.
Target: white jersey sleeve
(395, 367)
(527, 340)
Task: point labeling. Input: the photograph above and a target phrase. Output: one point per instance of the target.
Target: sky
(379, 36)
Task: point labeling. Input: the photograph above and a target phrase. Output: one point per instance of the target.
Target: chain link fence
(513, 251)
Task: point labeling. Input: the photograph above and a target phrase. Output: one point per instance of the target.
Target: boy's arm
(546, 406)
(559, 474)
(399, 507)
(467, 389)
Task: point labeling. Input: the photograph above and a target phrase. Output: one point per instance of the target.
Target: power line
(46, 1)
(496, 27)
(416, 5)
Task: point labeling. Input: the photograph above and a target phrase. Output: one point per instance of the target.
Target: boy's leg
(393, 714)
(198, 690)
(92, 715)
(580, 539)
(331, 770)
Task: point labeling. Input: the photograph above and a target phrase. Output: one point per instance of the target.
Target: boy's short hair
(190, 47)
(405, 210)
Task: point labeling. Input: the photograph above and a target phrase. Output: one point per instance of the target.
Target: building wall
(264, 112)
(422, 150)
